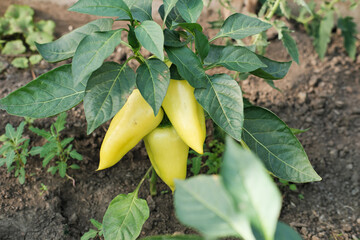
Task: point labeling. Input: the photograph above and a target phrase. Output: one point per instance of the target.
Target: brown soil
(321, 95)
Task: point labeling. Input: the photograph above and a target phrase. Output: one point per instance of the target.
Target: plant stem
(273, 9)
(142, 180)
(153, 180)
(244, 145)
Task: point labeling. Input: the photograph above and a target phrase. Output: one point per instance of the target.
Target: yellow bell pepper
(168, 154)
(185, 114)
(135, 120)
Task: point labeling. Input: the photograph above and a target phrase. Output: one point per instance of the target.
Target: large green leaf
(323, 34)
(168, 5)
(274, 70)
(152, 80)
(108, 8)
(64, 47)
(275, 144)
(172, 39)
(92, 52)
(151, 37)
(202, 203)
(188, 65)
(239, 59)
(290, 45)
(190, 10)
(239, 26)
(222, 100)
(348, 31)
(140, 9)
(251, 187)
(106, 92)
(173, 17)
(47, 95)
(174, 237)
(124, 217)
(214, 54)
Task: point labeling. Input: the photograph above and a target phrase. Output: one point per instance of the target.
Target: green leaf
(46, 26)
(190, 27)
(296, 131)
(96, 224)
(152, 80)
(21, 177)
(323, 35)
(254, 192)
(19, 131)
(92, 52)
(304, 5)
(64, 47)
(290, 45)
(48, 95)
(274, 70)
(75, 155)
(214, 54)
(188, 65)
(107, 91)
(140, 9)
(66, 141)
(151, 37)
(2, 161)
(190, 10)
(53, 169)
(20, 62)
(48, 158)
(35, 59)
(10, 158)
(202, 203)
(172, 39)
(35, 151)
(168, 6)
(62, 169)
(10, 132)
(60, 122)
(89, 234)
(239, 59)
(74, 166)
(201, 44)
(107, 8)
(222, 100)
(174, 237)
(272, 140)
(38, 37)
(239, 26)
(348, 31)
(125, 217)
(13, 48)
(41, 132)
(272, 84)
(132, 40)
(173, 17)
(285, 232)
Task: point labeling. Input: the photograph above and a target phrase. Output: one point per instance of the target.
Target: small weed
(92, 233)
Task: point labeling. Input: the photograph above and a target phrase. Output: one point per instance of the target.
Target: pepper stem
(153, 180)
(142, 180)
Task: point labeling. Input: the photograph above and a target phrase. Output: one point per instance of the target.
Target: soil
(320, 95)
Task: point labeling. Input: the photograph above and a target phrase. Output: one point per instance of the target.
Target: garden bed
(320, 95)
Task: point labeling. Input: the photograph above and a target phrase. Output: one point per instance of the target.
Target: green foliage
(14, 150)
(92, 233)
(17, 25)
(56, 148)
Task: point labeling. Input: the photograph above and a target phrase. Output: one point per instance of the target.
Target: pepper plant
(181, 54)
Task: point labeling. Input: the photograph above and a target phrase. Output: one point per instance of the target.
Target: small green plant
(19, 32)
(14, 150)
(213, 158)
(56, 147)
(292, 187)
(43, 189)
(92, 233)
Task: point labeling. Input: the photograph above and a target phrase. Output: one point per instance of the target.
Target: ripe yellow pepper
(168, 154)
(185, 114)
(135, 120)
